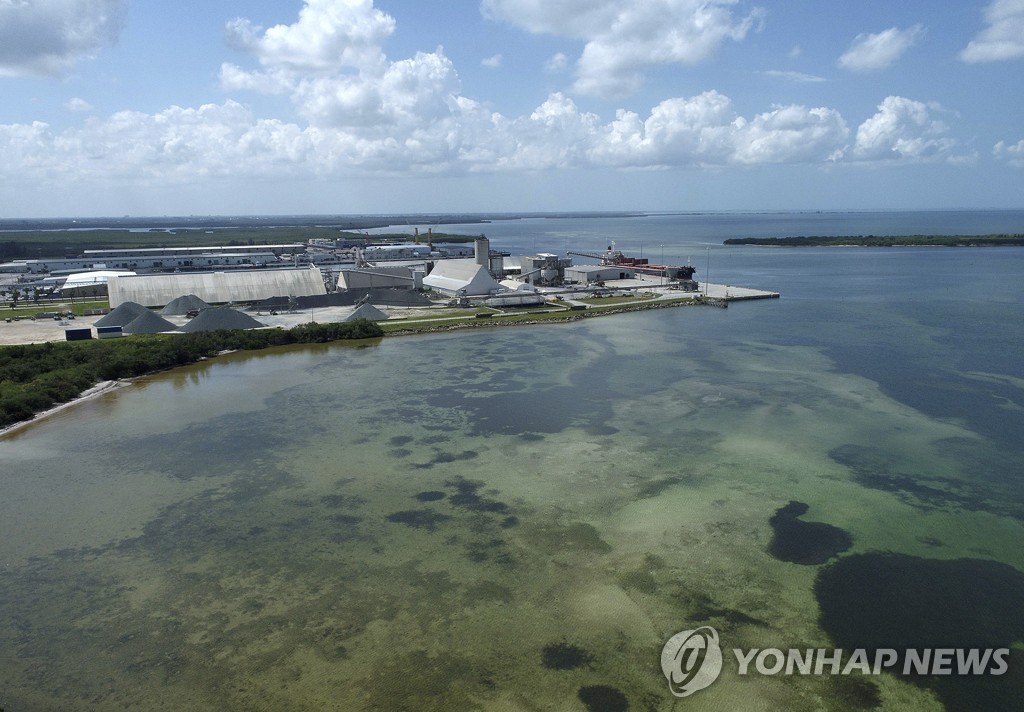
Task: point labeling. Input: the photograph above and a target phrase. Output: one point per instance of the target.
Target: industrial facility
(324, 274)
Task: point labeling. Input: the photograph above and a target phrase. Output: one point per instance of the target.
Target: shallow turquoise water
(410, 524)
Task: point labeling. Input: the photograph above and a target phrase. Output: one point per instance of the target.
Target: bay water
(519, 518)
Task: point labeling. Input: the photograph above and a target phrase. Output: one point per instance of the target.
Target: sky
(230, 107)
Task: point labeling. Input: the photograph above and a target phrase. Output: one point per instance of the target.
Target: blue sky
(114, 107)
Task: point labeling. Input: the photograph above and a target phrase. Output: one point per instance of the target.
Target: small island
(882, 241)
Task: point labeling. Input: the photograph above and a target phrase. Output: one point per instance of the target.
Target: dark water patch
(653, 488)
(435, 439)
(885, 600)
(700, 607)
(509, 522)
(642, 581)
(419, 518)
(998, 493)
(399, 452)
(806, 543)
(400, 440)
(487, 592)
(342, 501)
(930, 541)
(577, 537)
(216, 518)
(219, 441)
(346, 529)
(533, 410)
(429, 496)
(530, 437)
(467, 496)
(849, 692)
(563, 656)
(602, 698)
(417, 680)
(447, 457)
(997, 466)
(492, 549)
(874, 469)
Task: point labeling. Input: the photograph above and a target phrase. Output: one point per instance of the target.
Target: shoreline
(88, 394)
(513, 320)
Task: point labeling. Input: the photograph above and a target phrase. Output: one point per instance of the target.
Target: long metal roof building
(156, 290)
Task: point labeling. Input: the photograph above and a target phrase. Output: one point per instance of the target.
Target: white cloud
(329, 35)
(869, 52)
(1012, 153)
(557, 64)
(1003, 38)
(793, 76)
(705, 130)
(903, 129)
(47, 37)
(364, 114)
(492, 62)
(459, 136)
(77, 104)
(625, 37)
(332, 66)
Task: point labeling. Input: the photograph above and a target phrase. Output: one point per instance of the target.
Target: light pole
(662, 265)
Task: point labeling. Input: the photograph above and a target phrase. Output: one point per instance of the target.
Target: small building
(585, 274)
(515, 299)
(461, 278)
(89, 284)
(546, 269)
(78, 334)
(408, 251)
(516, 285)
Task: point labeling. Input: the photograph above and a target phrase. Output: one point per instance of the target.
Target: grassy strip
(425, 327)
(30, 308)
(34, 377)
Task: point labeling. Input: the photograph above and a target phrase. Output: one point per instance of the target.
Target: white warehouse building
(461, 277)
(216, 287)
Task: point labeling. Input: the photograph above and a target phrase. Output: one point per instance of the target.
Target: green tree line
(34, 377)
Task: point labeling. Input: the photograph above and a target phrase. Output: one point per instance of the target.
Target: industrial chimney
(483, 251)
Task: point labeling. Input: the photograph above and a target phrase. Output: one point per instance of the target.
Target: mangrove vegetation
(35, 377)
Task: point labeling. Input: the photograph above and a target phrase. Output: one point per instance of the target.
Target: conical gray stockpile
(367, 311)
(220, 318)
(148, 323)
(121, 315)
(183, 305)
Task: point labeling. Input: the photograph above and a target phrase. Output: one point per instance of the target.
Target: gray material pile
(148, 323)
(183, 305)
(122, 315)
(367, 311)
(220, 318)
